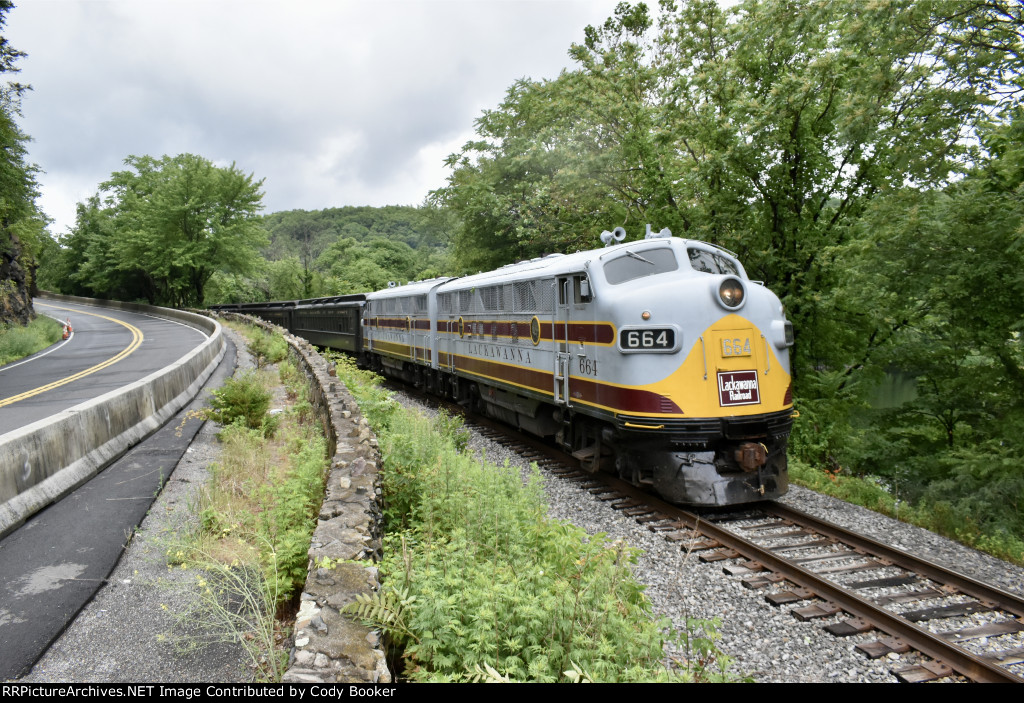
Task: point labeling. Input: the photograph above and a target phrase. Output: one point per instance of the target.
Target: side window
(581, 289)
(575, 288)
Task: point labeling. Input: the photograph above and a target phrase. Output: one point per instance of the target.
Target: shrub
(243, 399)
(17, 342)
(479, 584)
(267, 347)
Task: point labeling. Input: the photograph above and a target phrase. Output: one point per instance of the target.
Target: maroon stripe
(588, 333)
(537, 380)
(630, 400)
(627, 400)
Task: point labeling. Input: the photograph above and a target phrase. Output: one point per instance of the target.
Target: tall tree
(806, 111)
(22, 226)
(169, 224)
(766, 127)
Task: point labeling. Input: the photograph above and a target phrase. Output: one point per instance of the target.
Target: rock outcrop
(15, 284)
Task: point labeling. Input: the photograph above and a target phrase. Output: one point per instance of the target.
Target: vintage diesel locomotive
(657, 359)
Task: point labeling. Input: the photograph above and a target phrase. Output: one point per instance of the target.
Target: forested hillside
(342, 250)
(864, 159)
(22, 226)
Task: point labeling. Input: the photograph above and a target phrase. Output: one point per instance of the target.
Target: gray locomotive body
(657, 359)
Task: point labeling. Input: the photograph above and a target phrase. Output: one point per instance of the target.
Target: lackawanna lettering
(738, 388)
(496, 352)
(739, 385)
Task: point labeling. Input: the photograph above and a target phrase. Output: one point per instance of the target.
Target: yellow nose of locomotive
(731, 369)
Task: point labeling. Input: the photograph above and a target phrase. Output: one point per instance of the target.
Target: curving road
(108, 349)
(53, 564)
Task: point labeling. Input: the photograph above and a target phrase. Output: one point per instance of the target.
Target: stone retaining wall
(331, 647)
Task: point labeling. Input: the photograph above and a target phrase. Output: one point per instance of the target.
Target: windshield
(632, 265)
(709, 262)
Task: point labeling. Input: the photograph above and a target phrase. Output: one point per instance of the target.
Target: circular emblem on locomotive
(462, 327)
(535, 330)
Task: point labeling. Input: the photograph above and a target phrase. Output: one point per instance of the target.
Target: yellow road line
(136, 341)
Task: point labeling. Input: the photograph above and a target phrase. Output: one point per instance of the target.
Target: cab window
(632, 265)
(709, 262)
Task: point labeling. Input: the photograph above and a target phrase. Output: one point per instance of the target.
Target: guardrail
(42, 462)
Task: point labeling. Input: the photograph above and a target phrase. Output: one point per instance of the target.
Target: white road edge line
(167, 319)
(40, 355)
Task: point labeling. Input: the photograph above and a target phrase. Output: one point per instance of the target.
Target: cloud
(333, 103)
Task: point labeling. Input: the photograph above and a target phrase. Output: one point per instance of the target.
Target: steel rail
(984, 592)
(960, 660)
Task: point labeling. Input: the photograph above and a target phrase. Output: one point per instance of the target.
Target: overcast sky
(332, 102)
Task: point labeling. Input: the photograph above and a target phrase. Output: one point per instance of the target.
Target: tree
(22, 226)
(808, 111)
(766, 127)
(167, 226)
(357, 267)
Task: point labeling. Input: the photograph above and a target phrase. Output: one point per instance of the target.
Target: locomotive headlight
(730, 292)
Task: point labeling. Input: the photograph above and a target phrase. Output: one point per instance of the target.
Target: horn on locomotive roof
(663, 234)
(616, 235)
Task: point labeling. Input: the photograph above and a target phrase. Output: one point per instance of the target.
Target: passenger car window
(632, 265)
(710, 262)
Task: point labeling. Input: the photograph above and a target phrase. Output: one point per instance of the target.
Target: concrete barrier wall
(44, 461)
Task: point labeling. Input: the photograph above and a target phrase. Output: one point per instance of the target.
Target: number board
(647, 339)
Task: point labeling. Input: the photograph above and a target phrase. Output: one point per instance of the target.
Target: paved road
(52, 565)
(108, 349)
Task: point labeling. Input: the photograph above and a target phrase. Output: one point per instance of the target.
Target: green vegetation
(17, 342)
(865, 160)
(243, 400)
(257, 513)
(478, 583)
(213, 249)
(342, 250)
(160, 230)
(23, 238)
(267, 347)
(269, 483)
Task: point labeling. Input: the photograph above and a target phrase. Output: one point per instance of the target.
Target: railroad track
(857, 584)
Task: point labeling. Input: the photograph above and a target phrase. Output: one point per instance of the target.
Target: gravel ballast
(764, 642)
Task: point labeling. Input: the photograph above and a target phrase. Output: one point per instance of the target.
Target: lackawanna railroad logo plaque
(738, 388)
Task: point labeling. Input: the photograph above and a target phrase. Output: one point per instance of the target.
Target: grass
(257, 513)
(17, 342)
(941, 518)
(480, 585)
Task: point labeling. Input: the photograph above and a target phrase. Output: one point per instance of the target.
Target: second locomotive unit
(659, 360)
